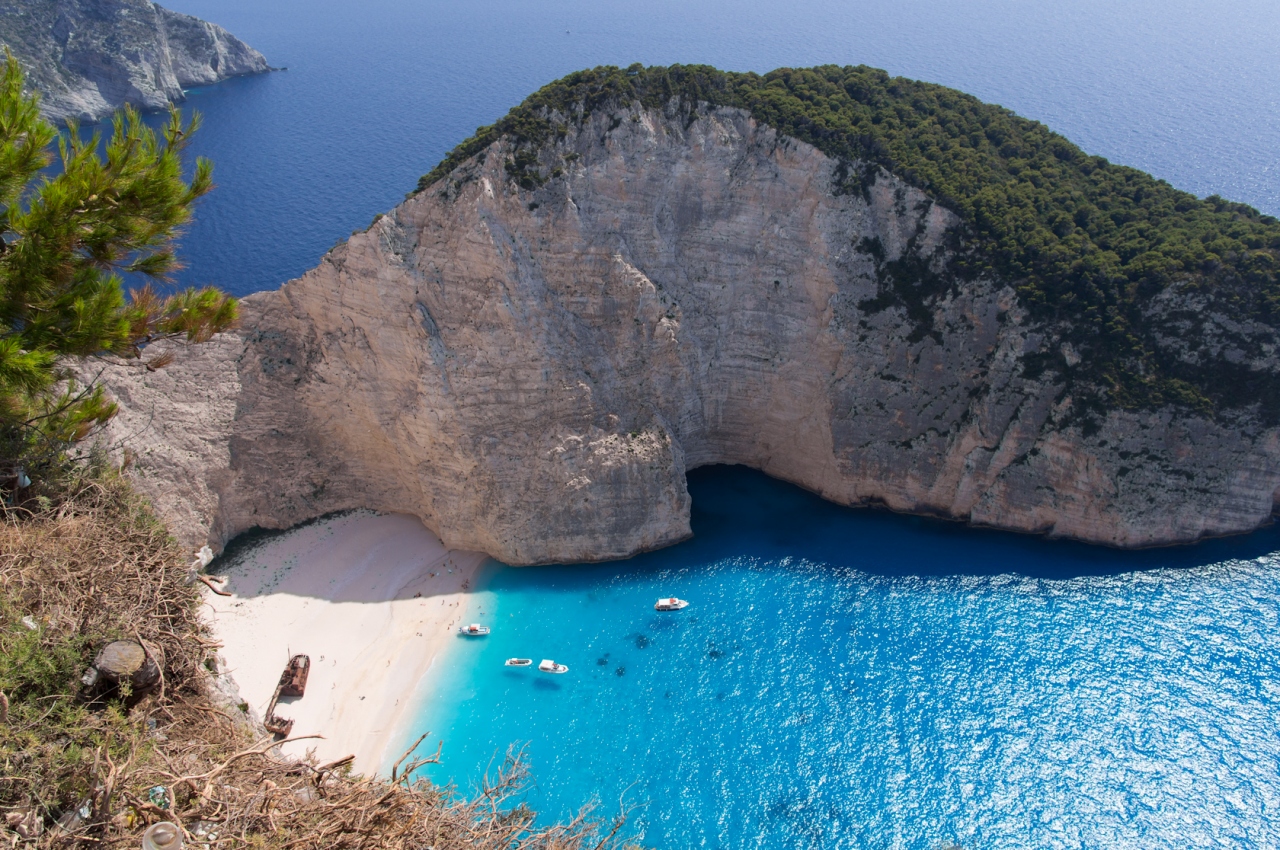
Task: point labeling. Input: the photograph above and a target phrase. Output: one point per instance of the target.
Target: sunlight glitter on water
(857, 679)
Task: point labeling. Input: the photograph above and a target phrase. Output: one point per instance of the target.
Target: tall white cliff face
(533, 372)
(87, 58)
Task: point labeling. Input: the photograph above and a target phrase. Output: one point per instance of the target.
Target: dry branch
(209, 583)
(94, 563)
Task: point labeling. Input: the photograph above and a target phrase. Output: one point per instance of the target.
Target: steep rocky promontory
(90, 57)
(886, 292)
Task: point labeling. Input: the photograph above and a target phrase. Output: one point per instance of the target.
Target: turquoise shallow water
(858, 679)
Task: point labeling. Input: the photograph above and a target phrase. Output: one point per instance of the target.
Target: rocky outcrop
(90, 57)
(533, 371)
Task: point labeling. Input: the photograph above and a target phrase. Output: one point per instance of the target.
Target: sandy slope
(373, 599)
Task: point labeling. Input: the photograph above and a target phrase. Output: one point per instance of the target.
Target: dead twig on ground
(93, 565)
(209, 583)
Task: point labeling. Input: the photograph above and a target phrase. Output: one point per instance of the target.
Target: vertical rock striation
(533, 370)
(90, 57)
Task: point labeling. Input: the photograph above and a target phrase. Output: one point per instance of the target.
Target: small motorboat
(474, 630)
(519, 662)
(670, 603)
(549, 666)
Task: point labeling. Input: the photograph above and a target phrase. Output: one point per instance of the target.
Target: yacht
(518, 662)
(549, 666)
(475, 629)
(670, 603)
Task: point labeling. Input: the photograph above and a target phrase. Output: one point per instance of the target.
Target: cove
(852, 678)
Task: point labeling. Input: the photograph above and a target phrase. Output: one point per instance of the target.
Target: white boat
(549, 666)
(518, 662)
(670, 603)
(474, 629)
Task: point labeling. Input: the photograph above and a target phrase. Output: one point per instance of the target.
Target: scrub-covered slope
(885, 291)
(90, 57)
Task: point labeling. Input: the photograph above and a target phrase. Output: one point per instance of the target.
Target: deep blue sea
(842, 679)
(378, 91)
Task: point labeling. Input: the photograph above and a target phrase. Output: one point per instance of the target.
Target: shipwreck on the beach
(293, 683)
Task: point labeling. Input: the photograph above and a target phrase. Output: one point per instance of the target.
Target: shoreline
(472, 608)
(373, 599)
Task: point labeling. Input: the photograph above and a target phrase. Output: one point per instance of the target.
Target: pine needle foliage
(67, 241)
(1088, 244)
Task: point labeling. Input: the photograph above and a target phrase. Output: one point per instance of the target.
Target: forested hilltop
(1093, 248)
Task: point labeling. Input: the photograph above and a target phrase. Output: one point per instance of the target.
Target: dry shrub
(90, 564)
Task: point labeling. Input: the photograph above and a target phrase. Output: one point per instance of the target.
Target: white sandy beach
(372, 599)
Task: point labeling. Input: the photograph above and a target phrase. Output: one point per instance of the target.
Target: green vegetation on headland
(1088, 244)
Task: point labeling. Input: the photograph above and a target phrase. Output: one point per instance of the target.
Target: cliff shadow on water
(845, 674)
(739, 512)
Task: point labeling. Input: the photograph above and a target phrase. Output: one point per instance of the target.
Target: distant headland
(87, 58)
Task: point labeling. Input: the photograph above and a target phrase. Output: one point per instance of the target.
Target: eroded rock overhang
(532, 371)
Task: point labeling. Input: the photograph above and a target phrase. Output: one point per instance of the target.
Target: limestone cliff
(532, 371)
(90, 57)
